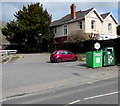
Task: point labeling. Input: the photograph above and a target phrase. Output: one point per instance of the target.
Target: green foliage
(30, 28)
(76, 36)
(118, 30)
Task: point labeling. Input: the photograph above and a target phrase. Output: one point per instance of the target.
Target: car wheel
(52, 61)
(74, 59)
(58, 60)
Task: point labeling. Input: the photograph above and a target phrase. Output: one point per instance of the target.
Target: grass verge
(81, 57)
(11, 58)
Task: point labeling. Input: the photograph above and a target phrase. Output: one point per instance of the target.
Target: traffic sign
(97, 46)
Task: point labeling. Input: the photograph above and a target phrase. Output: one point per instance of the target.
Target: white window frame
(109, 27)
(65, 27)
(93, 24)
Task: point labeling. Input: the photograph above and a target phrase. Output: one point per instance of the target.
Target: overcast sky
(58, 9)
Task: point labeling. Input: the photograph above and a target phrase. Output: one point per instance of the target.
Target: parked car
(62, 55)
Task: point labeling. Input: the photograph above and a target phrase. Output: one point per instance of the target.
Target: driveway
(35, 73)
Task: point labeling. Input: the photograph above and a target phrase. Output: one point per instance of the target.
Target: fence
(7, 54)
(8, 51)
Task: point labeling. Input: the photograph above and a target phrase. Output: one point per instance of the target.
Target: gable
(110, 18)
(105, 15)
(93, 15)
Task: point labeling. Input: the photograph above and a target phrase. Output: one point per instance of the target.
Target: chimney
(73, 11)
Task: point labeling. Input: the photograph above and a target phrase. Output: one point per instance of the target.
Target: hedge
(85, 46)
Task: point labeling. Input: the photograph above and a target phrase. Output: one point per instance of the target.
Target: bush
(76, 36)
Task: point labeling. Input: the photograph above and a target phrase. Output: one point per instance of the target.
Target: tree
(76, 36)
(118, 30)
(30, 28)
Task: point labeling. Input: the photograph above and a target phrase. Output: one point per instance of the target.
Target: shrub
(76, 36)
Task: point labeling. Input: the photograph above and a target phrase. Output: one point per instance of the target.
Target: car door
(68, 55)
(62, 55)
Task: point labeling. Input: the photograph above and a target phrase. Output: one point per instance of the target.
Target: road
(35, 73)
(101, 92)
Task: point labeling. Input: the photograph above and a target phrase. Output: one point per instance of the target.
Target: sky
(58, 9)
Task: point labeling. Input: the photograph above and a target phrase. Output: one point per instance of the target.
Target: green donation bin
(108, 56)
(94, 59)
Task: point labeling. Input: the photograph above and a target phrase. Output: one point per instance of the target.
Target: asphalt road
(36, 69)
(101, 92)
(17, 75)
(34, 72)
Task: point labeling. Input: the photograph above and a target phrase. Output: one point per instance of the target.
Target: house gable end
(111, 18)
(95, 15)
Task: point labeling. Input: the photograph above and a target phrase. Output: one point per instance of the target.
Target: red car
(62, 55)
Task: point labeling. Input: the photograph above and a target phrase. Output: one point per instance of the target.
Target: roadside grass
(11, 58)
(5, 59)
(81, 57)
(118, 64)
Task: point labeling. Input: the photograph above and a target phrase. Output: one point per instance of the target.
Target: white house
(99, 26)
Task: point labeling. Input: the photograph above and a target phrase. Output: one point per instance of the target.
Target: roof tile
(66, 19)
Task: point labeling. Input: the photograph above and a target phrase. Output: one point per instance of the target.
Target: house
(3, 42)
(95, 25)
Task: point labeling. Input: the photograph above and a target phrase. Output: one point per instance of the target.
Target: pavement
(80, 75)
(100, 92)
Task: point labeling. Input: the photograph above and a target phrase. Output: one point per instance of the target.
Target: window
(80, 25)
(109, 27)
(55, 30)
(65, 30)
(92, 24)
(61, 52)
(69, 53)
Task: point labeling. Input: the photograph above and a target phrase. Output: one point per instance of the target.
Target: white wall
(101, 27)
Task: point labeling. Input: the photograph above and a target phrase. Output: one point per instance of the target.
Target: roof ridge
(85, 10)
(80, 15)
(76, 12)
(106, 13)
